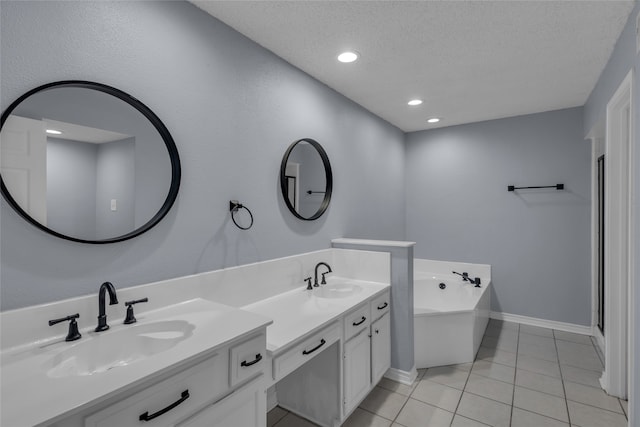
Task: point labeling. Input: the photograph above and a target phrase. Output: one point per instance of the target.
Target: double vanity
(206, 350)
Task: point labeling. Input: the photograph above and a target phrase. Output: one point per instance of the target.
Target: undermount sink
(337, 290)
(110, 349)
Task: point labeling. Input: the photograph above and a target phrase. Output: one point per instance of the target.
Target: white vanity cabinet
(366, 351)
(227, 389)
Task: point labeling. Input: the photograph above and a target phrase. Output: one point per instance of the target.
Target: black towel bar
(557, 187)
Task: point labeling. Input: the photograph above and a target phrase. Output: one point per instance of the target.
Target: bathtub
(448, 323)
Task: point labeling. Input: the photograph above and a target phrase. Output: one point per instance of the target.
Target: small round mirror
(87, 162)
(306, 180)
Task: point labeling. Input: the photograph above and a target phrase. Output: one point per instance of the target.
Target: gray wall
(623, 59)
(115, 173)
(71, 187)
(232, 107)
(537, 241)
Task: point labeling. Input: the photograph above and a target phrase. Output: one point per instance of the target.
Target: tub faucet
(113, 299)
(466, 278)
(323, 281)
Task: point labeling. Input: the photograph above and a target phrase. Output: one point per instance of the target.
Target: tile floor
(523, 376)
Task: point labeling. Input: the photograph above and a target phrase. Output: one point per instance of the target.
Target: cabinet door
(245, 407)
(380, 347)
(357, 370)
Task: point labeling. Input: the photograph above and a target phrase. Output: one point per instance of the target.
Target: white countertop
(369, 242)
(30, 397)
(300, 312)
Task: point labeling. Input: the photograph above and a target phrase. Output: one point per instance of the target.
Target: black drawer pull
(360, 322)
(253, 362)
(383, 306)
(147, 417)
(322, 342)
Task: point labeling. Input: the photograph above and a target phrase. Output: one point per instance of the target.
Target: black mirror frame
(149, 115)
(328, 178)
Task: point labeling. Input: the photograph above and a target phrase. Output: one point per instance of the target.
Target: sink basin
(98, 353)
(337, 290)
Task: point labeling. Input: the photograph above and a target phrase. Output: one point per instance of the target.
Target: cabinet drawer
(356, 321)
(291, 359)
(246, 407)
(187, 392)
(247, 359)
(380, 305)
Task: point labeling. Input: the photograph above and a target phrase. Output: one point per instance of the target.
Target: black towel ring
(234, 206)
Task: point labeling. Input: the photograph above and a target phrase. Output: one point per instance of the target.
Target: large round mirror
(87, 162)
(305, 179)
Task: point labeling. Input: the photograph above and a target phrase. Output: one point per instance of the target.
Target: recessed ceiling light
(53, 132)
(415, 102)
(433, 120)
(348, 56)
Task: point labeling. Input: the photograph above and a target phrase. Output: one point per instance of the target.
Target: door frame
(619, 253)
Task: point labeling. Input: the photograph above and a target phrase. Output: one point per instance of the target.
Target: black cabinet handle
(360, 322)
(147, 417)
(253, 362)
(322, 342)
(383, 306)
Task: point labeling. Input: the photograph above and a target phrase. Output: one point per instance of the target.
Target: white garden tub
(450, 315)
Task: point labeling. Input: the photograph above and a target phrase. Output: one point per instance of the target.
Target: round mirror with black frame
(87, 162)
(306, 180)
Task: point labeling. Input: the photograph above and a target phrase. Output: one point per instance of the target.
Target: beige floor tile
(490, 388)
(581, 376)
(509, 344)
(536, 346)
(589, 416)
(420, 414)
(275, 415)
(540, 403)
(539, 366)
(591, 396)
(579, 355)
(495, 323)
(494, 370)
(496, 355)
(436, 394)
(447, 375)
(522, 418)
(501, 333)
(625, 407)
(292, 420)
(484, 410)
(462, 366)
(539, 382)
(536, 330)
(384, 403)
(460, 421)
(421, 373)
(388, 384)
(569, 336)
(362, 418)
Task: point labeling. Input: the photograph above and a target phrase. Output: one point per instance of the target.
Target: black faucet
(113, 299)
(466, 278)
(323, 282)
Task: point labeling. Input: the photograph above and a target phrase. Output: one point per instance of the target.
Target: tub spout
(466, 278)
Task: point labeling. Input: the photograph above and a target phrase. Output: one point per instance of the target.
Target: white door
(357, 370)
(380, 348)
(24, 164)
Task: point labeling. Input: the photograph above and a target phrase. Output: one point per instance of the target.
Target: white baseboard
(543, 323)
(402, 377)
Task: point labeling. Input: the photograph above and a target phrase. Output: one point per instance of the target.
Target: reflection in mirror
(306, 180)
(87, 162)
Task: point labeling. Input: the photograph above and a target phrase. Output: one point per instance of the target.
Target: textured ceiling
(468, 60)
